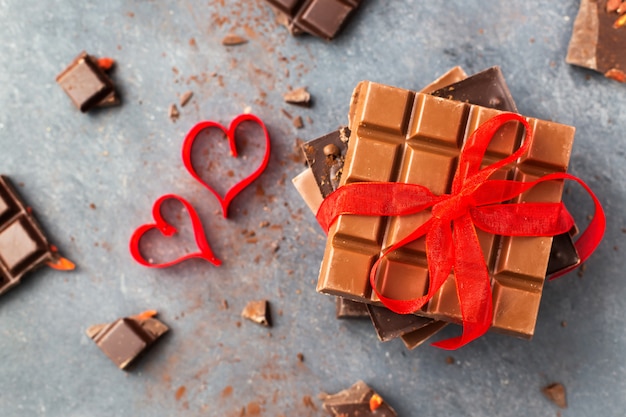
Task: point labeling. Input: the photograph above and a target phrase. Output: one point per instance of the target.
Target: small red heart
(230, 134)
(168, 230)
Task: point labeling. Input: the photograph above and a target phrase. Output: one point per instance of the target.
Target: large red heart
(230, 134)
(204, 249)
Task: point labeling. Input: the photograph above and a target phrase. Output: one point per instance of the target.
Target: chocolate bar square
(402, 136)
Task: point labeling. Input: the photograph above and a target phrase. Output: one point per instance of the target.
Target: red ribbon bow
(451, 240)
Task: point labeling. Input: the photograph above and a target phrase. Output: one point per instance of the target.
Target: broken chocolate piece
(416, 338)
(355, 402)
(322, 18)
(298, 96)
(87, 84)
(598, 39)
(23, 245)
(348, 309)
(486, 88)
(126, 339)
(233, 40)
(258, 312)
(173, 112)
(556, 393)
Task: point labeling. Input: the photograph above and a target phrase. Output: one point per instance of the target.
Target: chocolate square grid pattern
(23, 246)
(403, 136)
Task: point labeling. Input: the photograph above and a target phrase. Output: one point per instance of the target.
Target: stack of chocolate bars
(397, 135)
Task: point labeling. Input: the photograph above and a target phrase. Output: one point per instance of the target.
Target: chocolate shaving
(233, 40)
(173, 112)
(185, 97)
(556, 393)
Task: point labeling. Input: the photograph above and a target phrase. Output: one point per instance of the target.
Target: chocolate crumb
(287, 114)
(173, 112)
(185, 97)
(264, 224)
(563, 323)
(298, 96)
(300, 357)
(233, 40)
(308, 402)
(450, 360)
(92, 206)
(556, 393)
(298, 123)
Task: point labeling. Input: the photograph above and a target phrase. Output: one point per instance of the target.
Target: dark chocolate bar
(126, 339)
(357, 401)
(23, 245)
(390, 325)
(87, 84)
(348, 309)
(322, 18)
(598, 38)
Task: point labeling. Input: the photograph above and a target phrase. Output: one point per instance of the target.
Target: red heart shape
(230, 134)
(168, 230)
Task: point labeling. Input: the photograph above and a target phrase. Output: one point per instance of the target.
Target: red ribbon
(451, 240)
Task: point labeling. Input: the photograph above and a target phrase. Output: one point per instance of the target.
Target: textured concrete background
(122, 159)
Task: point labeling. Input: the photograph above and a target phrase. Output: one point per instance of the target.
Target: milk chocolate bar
(598, 38)
(403, 136)
(126, 339)
(87, 84)
(23, 245)
(322, 18)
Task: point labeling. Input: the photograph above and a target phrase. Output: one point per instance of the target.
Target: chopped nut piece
(556, 393)
(298, 96)
(185, 97)
(375, 402)
(233, 40)
(258, 312)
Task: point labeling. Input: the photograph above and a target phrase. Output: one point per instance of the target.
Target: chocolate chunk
(23, 245)
(598, 39)
(298, 96)
(348, 309)
(126, 339)
(486, 88)
(173, 112)
(556, 393)
(563, 254)
(258, 312)
(356, 401)
(390, 325)
(87, 84)
(322, 18)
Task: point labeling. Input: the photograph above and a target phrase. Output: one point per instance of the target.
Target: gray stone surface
(122, 159)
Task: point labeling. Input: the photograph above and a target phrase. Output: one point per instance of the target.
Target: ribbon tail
(472, 283)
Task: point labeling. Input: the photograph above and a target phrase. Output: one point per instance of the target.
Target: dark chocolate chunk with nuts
(325, 156)
(124, 340)
(23, 245)
(87, 84)
(357, 401)
(258, 312)
(598, 38)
